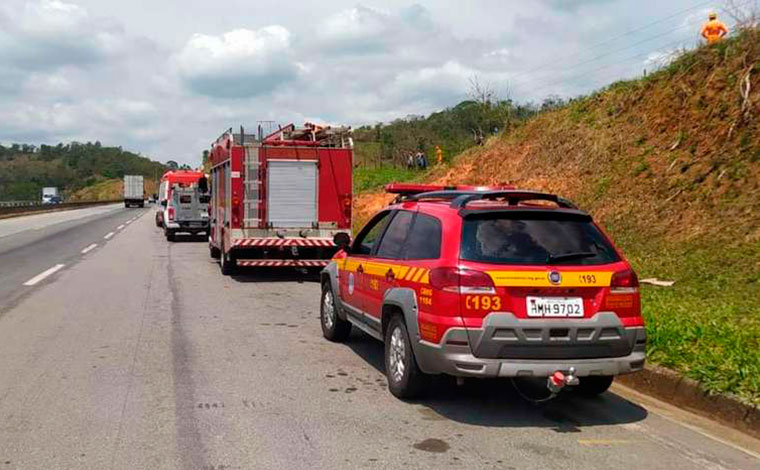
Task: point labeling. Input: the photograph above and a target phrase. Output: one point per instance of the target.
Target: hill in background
(455, 129)
(81, 171)
(670, 165)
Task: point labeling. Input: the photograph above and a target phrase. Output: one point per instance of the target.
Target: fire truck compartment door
(292, 193)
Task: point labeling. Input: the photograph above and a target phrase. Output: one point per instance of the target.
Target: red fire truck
(278, 200)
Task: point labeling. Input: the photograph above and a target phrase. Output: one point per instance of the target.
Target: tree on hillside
(744, 14)
(172, 165)
(25, 168)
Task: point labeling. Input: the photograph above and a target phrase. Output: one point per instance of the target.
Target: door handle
(390, 275)
(360, 269)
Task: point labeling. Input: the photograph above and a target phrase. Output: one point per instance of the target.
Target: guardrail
(11, 208)
(19, 203)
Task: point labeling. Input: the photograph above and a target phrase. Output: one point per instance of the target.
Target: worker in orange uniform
(438, 154)
(713, 30)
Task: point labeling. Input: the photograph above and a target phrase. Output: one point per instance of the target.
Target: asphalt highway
(139, 354)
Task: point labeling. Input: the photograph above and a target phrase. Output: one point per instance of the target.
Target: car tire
(333, 327)
(214, 252)
(169, 235)
(593, 385)
(227, 263)
(405, 379)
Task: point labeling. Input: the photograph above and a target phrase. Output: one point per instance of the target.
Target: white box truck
(50, 195)
(134, 191)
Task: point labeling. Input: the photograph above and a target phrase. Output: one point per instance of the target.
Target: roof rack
(513, 197)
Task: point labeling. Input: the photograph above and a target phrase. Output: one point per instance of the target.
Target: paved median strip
(43, 275)
(109, 235)
(89, 248)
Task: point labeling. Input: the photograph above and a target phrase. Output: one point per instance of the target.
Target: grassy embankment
(670, 165)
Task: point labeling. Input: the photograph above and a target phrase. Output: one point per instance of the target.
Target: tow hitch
(554, 383)
(558, 380)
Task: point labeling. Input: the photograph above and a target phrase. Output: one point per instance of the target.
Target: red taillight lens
(171, 213)
(446, 279)
(461, 281)
(624, 282)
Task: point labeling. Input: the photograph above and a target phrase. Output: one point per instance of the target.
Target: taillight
(235, 212)
(624, 282)
(445, 279)
(461, 281)
(347, 208)
(171, 213)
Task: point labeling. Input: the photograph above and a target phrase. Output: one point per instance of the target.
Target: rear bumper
(275, 252)
(190, 227)
(281, 263)
(459, 362)
(508, 347)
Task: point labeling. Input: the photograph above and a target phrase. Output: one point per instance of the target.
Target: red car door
(353, 284)
(381, 271)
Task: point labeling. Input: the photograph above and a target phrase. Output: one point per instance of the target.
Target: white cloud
(432, 86)
(239, 63)
(47, 34)
(48, 84)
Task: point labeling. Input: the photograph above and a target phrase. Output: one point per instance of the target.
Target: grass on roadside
(707, 326)
(373, 179)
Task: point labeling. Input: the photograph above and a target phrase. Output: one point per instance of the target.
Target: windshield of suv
(534, 239)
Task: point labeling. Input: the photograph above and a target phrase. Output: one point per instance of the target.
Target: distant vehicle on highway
(278, 200)
(183, 203)
(484, 282)
(50, 195)
(134, 191)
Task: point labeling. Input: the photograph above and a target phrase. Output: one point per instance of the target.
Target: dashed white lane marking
(128, 221)
(43, 275)
(109, 235)
(89, 248)
(120, 227)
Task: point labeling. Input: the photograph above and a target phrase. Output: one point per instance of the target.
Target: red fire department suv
(475, 282)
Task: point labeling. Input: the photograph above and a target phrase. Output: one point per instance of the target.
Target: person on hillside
(713, 30)
(409, 160)
(422, 162)
(438, 154)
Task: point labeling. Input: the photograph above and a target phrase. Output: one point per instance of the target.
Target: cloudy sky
(166, 77)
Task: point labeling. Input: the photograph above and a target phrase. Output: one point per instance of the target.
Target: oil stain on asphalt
(432, 445)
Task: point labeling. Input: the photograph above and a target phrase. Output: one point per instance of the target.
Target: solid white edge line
(43, 275)
(120, 227)
(108, 235)
(89, 248)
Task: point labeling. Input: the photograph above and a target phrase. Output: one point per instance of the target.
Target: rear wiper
(568, 256)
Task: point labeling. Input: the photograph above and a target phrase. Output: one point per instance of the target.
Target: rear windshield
(502, 239)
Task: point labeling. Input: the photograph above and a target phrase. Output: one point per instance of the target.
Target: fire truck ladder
(252, 182)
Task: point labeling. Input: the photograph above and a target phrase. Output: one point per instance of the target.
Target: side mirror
(163, 203)
(342, 240)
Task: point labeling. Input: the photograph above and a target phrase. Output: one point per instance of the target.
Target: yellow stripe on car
(541, 278)
(402, 273)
